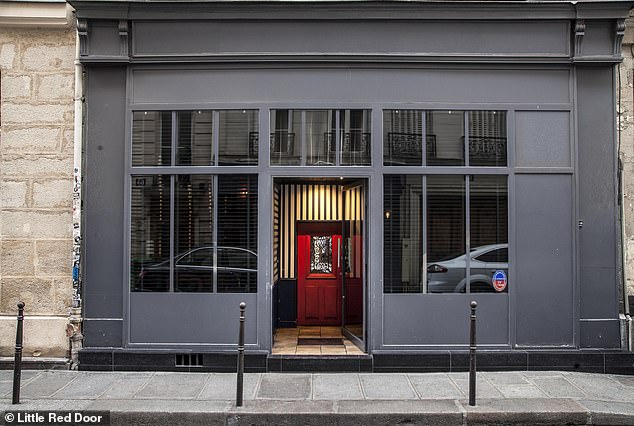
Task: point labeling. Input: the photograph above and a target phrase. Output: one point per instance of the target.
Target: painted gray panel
(544, 260)
(542, 138)
(347, 36)
(600, 334)
(350, 85)
(104, 38)
(597, 193)
(599, 285)
(100, 333)
(435, 319)
(191, 318)
(102, 189)
(598, 38)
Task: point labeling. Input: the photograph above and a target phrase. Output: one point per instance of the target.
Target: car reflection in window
(449, 276)
(235, 269)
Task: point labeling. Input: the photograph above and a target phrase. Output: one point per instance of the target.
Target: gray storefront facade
(369, 165)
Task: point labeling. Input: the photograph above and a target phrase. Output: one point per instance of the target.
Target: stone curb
(426, 412)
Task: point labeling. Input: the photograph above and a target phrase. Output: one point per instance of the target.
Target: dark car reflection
(235, 269)
(449, 276)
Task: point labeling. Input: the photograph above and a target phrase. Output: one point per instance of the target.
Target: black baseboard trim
(612, 362)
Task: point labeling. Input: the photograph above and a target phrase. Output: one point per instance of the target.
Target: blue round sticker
(499, 281)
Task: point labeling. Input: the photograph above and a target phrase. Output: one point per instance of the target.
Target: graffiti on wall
(76, 238)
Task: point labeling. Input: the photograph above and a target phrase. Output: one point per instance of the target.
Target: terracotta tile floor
(286, 342)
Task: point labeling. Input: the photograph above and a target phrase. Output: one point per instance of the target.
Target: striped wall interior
(276, 233)
(311, 202)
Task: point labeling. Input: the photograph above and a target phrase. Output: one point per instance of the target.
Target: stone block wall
(625, 111)
(36, 186)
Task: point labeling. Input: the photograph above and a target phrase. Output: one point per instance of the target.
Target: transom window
(195, 138)
(320, 137)
(444, 138)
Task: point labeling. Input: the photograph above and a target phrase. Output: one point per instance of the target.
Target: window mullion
(467, 195)
(215, 126)
(466, 137)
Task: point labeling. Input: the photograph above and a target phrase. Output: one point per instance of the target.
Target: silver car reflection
(235, 268)
(449, 276)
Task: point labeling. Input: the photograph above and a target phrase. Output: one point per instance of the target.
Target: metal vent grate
(189, 360)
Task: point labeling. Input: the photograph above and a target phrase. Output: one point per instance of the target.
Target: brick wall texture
(36, 182)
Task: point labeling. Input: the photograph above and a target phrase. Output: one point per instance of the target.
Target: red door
(318, 273)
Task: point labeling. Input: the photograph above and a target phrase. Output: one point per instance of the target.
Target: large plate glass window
(427, 246)
(207, 244)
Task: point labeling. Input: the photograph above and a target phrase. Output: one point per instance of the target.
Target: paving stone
(47, 383)
(336, 387)
(173, 386)
(599, 386)
(521, 391)
(435, 386)
(87, 386)
(624, 380)
(386, 386)
(222, 386)
(26, 375)
(126, 385)
(558, 387)
(484, 388)
(508, 378)
(285, 386)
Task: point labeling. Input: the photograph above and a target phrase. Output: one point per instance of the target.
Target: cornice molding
(350, 9)
(35, 14)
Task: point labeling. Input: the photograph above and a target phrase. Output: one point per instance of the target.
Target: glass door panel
(353, 262)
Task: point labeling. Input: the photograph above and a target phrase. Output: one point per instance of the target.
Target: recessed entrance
(319, 263)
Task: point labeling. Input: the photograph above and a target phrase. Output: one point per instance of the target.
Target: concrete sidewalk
(152, 398)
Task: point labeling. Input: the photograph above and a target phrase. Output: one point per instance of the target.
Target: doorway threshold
(320, 363)
(313, 341)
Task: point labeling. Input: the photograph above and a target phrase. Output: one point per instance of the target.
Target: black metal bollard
(240, 384)
(17, 364)
(472, 355)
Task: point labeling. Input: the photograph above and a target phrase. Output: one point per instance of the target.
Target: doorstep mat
(321, 341)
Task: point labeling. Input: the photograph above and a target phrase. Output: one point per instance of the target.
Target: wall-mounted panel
(191, 318)
(598, 238)
(542, 139)
(102, 192)
(444, 38)
(443, 319)
(181, 85)
(544, 260)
